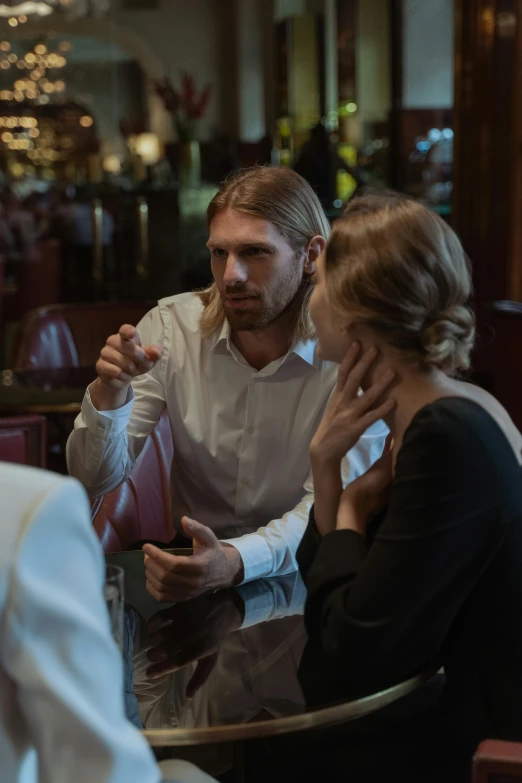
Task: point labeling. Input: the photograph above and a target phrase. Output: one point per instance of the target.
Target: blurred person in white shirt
(62, 718)
(237, 369)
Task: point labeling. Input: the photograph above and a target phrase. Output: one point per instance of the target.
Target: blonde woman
(436, 578)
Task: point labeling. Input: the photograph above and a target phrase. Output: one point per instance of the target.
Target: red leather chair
(497, 762)
(71, 335)
(22, 440)
(140, 507)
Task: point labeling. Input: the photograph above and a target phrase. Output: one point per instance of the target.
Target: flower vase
(189, 164)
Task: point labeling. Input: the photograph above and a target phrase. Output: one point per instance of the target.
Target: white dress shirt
(241, 436)
(61, 681)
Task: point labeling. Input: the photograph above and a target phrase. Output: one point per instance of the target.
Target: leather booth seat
(498, 762)
(71, 335)
(23, 440)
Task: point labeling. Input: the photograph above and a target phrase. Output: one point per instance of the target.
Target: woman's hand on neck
(412, 389)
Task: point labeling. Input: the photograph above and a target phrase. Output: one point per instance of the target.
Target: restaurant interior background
(118, 119)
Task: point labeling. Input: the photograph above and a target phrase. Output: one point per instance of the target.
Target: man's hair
(283, 198)
(397, 268)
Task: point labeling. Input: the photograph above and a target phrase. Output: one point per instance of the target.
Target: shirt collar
(305, 350)
(222, 335)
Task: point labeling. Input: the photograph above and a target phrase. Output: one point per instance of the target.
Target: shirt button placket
(245, 456)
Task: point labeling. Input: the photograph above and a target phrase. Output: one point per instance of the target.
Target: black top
(439, 580)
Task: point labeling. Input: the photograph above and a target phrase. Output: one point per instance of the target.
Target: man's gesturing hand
(122, 358)
(172, 578)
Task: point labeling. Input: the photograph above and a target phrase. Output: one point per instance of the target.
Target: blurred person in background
(72, 224)
(20, 221)
(319, 162)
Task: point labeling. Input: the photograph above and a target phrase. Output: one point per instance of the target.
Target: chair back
(23, 440)
(140, 507)
(37, 280)
(498, 762)
(71, 335)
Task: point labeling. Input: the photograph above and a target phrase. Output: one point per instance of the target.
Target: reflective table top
(228, 666)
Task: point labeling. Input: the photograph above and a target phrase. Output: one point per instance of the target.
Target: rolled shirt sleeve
(103, 447)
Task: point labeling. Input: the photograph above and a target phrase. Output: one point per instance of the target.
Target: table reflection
(229, 657)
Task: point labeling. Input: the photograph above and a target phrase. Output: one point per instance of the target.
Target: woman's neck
(412, 391)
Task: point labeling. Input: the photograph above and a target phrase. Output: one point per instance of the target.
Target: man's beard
(265, 310)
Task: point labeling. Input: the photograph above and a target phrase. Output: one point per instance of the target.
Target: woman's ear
(313, 249)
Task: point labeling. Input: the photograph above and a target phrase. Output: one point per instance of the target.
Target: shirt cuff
(102, 423)
(259, 603)
(255, 553)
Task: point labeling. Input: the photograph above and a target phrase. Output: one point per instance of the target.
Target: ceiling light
(70, 8)
(34, 7)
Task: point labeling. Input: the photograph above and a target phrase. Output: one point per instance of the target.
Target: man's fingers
(154, 352)
(130, 333)
(158, 595)
(110, 372)
(112, 356)
(163, 579)
(130, 349)
(159, 561)
(201, 533)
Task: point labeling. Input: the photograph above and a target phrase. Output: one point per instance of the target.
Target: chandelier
(21, 10)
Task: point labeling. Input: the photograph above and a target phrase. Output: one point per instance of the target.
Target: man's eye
(218, 252)
(255, 251)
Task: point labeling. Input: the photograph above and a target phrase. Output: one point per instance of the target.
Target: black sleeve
(381, 613)
(307, 549)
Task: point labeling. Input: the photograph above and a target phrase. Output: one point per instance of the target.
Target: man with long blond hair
(236, 367)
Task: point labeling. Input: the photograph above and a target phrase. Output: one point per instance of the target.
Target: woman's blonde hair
(398, 269)
(281, 197)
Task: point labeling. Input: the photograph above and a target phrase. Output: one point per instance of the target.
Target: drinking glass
(114, 597)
